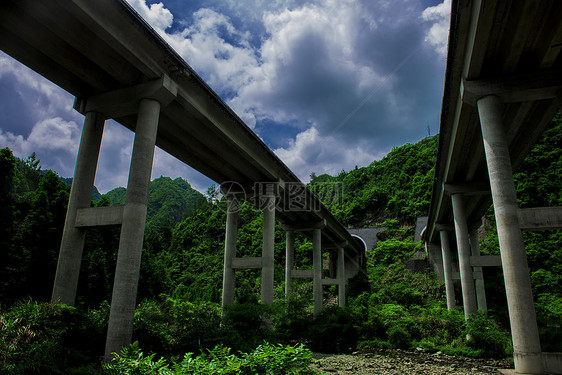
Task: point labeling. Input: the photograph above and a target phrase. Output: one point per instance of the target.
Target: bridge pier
(524, 331)
(317, 270)
(289, 262)
(479, 280)
(228, 279)
(340, 274)
(123, 300)
(268, 209)
(447, 269)
(72, 244)
(463, 247)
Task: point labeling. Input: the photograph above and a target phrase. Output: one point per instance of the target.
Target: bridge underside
(117, 67)
(503, 86)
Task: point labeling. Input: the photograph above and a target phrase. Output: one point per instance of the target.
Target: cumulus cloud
(28, 98)
(156, 15)
(346, 70)
(336, 83)
(438, 33)
(54, 140)
(312, 152)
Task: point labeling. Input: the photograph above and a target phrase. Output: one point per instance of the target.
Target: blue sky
(327, 84)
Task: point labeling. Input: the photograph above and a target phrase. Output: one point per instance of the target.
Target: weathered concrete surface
(228, 277)
(289, 262)
(368, 235)
(524, 331)
(540, 218)
(124, 297)
(267, 250)
(447, 270)
(463, 249)
(317, 270)
(72, 245)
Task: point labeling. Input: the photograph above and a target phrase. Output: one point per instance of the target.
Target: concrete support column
(447, 269)
(289, 263)
(524, 331)
(268, 249)
(340, 272)
(228, 277)
(317, 270)
(479, 281)
(463, 247)
(70, 256)
(124, 296)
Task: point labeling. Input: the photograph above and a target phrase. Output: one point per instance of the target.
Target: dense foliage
(181, 274)
(397, 186)
(266, 359)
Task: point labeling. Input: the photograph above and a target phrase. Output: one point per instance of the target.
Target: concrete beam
(528, 87)
(246, 263)
(455, 275)
(305, 227)
(302, 274)
(444, 227)
(467, 188)
(486, 261)
(99, 216)
(540, 218)
(124, 102)
(330, 282)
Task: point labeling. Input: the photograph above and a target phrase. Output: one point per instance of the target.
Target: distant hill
(169, 201)
(96, 195)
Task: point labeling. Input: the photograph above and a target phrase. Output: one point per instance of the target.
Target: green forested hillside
(398, 186)
(181, 271)
(169, 201)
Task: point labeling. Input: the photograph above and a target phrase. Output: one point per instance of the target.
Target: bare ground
(399, 362)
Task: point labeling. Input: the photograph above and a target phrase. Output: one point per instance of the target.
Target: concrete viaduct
(117, 67)
(503, 86)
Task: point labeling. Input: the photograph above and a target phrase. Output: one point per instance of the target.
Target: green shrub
(292, 319)
(486, 335)
(46, 338)
(333, 331)
(247, 324)
(399, 337)
(175, 326)
(265, 359)
(392, 250)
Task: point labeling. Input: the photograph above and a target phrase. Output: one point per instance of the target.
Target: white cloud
(156, 15)
(298, 67)
(54, 140)
(312, 152)
(230, 64)
(41, 95)
(438, 33)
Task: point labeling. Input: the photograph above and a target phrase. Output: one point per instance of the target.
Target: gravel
(398, 362)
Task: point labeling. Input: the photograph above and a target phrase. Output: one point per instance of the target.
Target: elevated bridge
(503, 86)
(118, 67)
